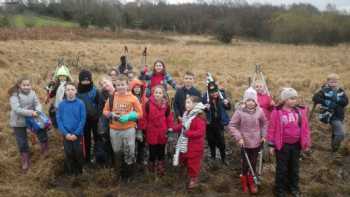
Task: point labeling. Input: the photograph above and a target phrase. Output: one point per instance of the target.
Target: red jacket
(155, 123)
(196, 136)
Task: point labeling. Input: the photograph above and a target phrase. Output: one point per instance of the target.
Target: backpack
(41, 122)
(167, 113)
(89, 99)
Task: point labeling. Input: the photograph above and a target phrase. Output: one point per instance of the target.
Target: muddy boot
(193, 183)
(151, 167)
(252, 187)
(244, 184)
(161, 168)
(44, 149)
(25, 162)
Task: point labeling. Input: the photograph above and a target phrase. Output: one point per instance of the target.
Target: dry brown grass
(303, 67)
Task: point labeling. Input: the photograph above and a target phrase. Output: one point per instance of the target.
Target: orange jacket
(123, 104)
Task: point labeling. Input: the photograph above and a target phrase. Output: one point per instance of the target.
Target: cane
(250, 167)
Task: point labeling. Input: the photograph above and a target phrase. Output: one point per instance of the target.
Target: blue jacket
(71, 117)
(223, 116)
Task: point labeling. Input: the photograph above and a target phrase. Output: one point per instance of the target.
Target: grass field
(302, 67)
(21, 21)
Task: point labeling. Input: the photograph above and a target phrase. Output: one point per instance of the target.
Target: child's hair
(332, 76)
(123, 78)
(189, 73)
(113, 70)
(194, 99)
(15, 88)
(71, 84)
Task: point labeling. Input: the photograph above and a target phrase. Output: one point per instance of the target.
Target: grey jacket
(22, 105)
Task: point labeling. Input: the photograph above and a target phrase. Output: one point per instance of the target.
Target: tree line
(296, 24)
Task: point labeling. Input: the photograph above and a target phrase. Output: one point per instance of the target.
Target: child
(158, 76)
(103, 149)
(182, 93)
(137, 88)
(124, 67)
(217, 118)
(71, 117)
(25, 103)
(191, 141)
(123, 111)
(288, 134)
(114, 76)
(248, 126)
(88, 93)
(264, 99)
(56, 89)
(333, 101)
(157, 120)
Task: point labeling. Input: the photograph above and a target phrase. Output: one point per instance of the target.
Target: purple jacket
(275, 131)
(251, 126)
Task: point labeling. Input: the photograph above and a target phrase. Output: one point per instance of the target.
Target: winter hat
(211, 84)
(250, 93)
(62, 71)
(85, 75)
(288, 93)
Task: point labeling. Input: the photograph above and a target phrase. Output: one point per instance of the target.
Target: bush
(5, 21)
(224, 31)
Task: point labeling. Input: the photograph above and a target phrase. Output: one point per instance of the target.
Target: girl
(217, 104)
(158, 76)
(156, 122)
(264, 99)
(25, 103)
(288, 134)
(137, 88)
(248, 126)
(191, 141)
(56, 88)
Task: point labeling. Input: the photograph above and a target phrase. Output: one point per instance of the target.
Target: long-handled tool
(259, 75)
(256, 181)
(261, 162)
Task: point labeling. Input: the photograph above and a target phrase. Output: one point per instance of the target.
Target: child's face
(159, 67)
(137, 90)
(62, 78)
(121, 86)
(113, 75)
(85, 82)
(333, 83)
(250, 103)
(158, 94)
(188, 80)
(25, 86)
(71, 91)
(107, 85)
(214, 95)
(189, 104)
(292, 102)
(259, 88)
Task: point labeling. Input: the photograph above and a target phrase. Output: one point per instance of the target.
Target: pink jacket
(264, 101)
(251, 126)
(275, 131)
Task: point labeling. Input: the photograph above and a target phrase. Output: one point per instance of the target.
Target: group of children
(129, 114)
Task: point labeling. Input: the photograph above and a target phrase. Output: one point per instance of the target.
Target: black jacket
(334, 101)
(180, 99)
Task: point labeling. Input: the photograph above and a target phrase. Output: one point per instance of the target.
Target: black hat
(212, 87)
(85, 75)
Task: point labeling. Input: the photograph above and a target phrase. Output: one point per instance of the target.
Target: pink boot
(25, 162)
(44, 149)
(244, 183)
(193, 183)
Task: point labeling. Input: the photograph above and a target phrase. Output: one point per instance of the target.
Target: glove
(132, 116)
(139, 135)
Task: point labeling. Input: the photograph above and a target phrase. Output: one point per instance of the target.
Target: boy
(124, 112)
(71, 117)
(181, 94)
(333, 101)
